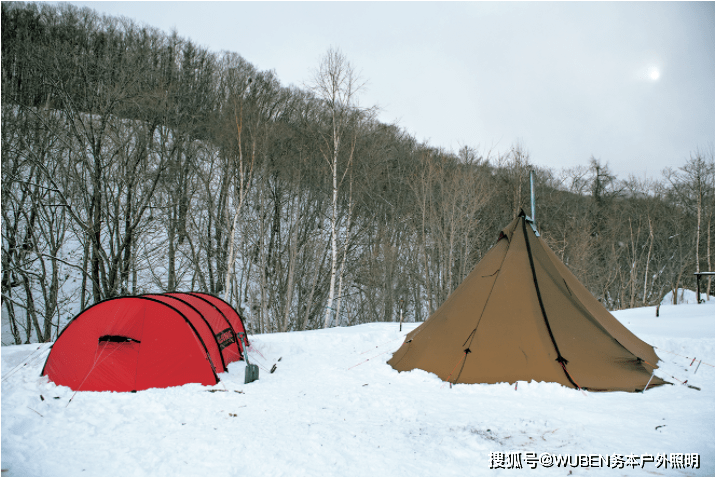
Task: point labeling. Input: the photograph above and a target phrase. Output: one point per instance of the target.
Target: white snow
(329, 411)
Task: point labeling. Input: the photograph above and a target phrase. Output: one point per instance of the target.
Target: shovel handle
(243, 345)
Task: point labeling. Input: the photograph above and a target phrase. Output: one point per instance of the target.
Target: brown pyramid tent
(521, 315)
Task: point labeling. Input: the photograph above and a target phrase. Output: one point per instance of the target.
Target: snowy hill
(333, 407)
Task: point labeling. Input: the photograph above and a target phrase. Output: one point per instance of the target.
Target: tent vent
(117, 338)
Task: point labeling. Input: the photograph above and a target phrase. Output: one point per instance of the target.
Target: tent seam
(473, 333)
(560, 358)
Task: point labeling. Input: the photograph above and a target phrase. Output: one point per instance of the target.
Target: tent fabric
(230, 314)
(202, 325)
(135, 343)
(223, 330)
(521, 315)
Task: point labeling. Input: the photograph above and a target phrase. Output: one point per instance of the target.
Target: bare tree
(337, 84)
(694, 185)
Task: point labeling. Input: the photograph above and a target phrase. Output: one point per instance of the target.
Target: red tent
(153, 341)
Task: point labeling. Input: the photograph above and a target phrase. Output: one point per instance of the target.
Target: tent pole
(533, 201)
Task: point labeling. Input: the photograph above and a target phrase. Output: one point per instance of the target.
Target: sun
(654, 74)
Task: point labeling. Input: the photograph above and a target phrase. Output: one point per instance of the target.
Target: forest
(135, 161)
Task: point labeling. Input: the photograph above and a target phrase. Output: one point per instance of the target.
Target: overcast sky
(630, 83)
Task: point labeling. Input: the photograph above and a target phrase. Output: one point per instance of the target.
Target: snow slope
(329, 411)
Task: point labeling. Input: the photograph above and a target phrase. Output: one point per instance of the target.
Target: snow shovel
(251, 369)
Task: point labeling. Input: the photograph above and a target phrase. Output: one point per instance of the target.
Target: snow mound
(685, 296)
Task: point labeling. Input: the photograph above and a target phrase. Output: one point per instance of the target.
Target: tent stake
(646, 385)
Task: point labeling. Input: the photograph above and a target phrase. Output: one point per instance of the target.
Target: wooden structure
(698, 275)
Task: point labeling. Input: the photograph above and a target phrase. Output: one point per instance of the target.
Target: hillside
(135, 161)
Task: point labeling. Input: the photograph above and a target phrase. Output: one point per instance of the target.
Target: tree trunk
(647, 262)
(345, 253)
(333, 231)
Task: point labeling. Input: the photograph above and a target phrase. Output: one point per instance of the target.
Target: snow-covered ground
(328, 410)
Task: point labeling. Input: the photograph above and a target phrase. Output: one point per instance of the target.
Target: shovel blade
(251, 373)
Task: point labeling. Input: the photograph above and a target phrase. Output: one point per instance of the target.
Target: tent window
(117, 338)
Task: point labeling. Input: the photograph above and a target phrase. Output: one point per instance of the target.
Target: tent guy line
(30, 359)
(684, 356)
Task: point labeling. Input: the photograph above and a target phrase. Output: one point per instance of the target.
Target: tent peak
(529, 221)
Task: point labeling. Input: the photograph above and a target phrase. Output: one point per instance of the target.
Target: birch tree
(337, 84)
